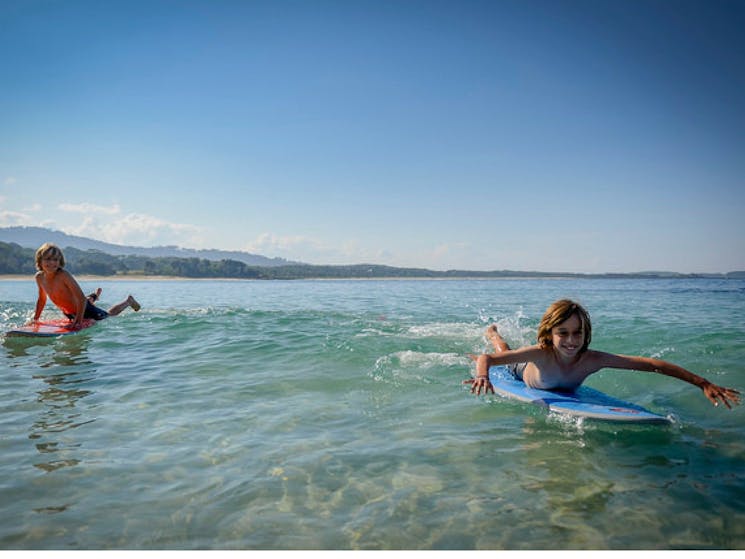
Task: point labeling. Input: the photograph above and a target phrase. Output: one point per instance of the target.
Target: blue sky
(584, 136)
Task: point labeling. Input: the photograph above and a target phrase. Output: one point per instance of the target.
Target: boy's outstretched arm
(714, 392)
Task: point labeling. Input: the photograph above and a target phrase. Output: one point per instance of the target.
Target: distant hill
(87, 256)
(34, 237)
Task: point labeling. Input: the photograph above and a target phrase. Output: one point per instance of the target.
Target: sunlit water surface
(331, 415)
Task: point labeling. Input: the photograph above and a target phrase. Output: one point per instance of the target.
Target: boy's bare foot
(492, 333)
(134, 304)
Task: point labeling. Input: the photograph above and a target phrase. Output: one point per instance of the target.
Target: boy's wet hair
(46, 250)
(561, 311)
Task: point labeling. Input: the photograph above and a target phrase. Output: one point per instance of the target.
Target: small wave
(12, 314)
(445, 330)
(415, 366)
(421, 360)
(375, 333)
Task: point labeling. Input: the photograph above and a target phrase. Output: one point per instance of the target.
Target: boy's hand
(716, 393)
(479, 383)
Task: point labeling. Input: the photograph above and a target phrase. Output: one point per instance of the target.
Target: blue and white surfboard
(583, 402)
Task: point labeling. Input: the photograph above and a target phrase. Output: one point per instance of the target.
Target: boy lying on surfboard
(58, 284)
(562, 359)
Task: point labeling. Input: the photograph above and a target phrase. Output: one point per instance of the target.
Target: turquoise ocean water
(331, 415)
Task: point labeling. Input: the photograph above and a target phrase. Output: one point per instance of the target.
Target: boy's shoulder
(598, 358)
(63, 274)
(59, 274)
(532, 352)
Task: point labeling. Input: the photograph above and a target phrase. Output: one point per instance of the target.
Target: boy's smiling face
(50, 262)
(568, 337)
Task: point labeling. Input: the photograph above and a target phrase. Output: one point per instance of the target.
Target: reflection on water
(66, 377)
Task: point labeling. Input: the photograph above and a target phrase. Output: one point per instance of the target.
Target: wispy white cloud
(25, 217)
(105, 223)
(446, 250)
(315, 251)
(13, 218)
(272, 242)
(309, 249)
(137, 229)
(90, 209)
(109, 223)
(9, 218)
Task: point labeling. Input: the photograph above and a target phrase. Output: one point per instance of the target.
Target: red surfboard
(50, 328)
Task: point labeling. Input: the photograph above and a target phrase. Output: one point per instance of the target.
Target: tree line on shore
(17, 260)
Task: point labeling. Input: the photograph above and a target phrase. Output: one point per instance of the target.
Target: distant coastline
(526, 277)
(140, 277)
(87, 258)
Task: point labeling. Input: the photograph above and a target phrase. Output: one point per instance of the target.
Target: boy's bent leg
(128, 302)
(93, 297)
(492, 334)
